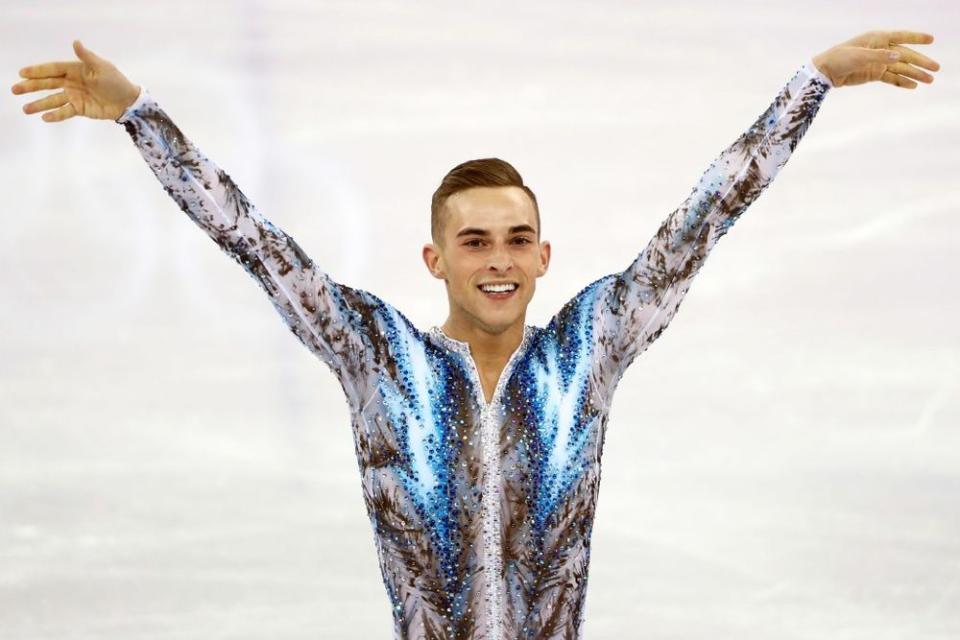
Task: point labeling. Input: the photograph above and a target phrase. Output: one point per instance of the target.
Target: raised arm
(616, 317)
(630, 310)
(637, 304)
(324, 315)
(335, 322)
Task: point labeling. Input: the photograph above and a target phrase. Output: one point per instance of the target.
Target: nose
(500, 259)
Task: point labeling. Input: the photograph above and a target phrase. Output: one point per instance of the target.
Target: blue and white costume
(482, 512)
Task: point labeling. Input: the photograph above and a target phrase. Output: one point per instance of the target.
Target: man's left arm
(639, 302)
(634, 307)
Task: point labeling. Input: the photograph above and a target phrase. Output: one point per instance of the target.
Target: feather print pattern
(481, 512)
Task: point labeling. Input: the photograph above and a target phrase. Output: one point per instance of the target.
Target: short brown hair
(484, 172)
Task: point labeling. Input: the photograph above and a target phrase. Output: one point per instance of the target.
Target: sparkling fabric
(481, 512)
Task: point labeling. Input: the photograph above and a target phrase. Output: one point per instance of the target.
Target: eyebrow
(475, 231)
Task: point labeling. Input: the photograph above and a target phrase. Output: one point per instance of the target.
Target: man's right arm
(329, 318)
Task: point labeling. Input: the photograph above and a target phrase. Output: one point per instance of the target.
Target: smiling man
(487, 250)
(479, 442)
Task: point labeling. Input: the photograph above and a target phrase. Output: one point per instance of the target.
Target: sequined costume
(482, 513)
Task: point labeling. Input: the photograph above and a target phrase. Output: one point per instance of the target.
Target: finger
(36, 85)
(46, 70)
(869, 55)
(85, 54)
(909, 55)
(909, 37)
(897, 80)
(910, 71)
(50, 102)
(64, 112)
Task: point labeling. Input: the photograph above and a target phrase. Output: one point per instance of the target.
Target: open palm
(91, 87)
(862, 59)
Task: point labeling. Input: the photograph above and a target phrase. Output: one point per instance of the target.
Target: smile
(500, 291)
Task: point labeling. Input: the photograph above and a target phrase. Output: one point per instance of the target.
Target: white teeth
(498, 288)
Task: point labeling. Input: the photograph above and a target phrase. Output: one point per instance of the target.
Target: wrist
(821, 63)
(136, 94)
(132, 93)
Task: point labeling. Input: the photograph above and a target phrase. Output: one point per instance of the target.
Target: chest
(489, 377)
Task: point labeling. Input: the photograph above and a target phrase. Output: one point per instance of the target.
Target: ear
(434, 261)
(544, 258)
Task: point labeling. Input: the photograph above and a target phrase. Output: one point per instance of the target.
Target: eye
(524, 240)
(471, 243)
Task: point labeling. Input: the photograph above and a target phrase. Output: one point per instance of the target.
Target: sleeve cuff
(811, 70)
(142, 98)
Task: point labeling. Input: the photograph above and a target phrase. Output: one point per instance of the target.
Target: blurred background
(784, 462)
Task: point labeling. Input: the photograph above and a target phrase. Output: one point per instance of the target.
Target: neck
(486, 346)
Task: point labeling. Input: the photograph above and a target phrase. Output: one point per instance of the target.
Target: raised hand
(867, 58)
(92, 87)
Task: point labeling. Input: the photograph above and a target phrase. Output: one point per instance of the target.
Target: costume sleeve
(328, 318)
(624, 313)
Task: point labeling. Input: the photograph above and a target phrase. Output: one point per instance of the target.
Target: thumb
(86, 55)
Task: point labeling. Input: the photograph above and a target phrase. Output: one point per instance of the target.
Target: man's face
(490, 236)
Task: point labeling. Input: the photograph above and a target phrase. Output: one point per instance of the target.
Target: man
(479, 441)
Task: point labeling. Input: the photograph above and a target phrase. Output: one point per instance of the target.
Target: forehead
(489, 208)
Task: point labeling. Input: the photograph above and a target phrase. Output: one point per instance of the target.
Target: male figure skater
(479, 441)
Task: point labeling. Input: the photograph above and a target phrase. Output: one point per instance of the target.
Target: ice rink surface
(174, 464)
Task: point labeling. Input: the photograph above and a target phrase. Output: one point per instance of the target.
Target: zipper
(490, 456)
(493, 560)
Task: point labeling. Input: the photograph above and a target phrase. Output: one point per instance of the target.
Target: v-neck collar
(464, 349)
